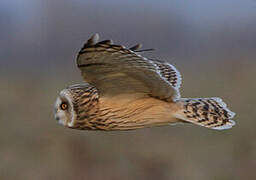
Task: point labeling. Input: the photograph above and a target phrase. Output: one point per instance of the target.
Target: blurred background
(212, 44)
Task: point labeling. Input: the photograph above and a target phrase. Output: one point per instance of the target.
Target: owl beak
(59, 121)
(57, 118)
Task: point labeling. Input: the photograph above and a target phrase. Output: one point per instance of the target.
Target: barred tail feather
(208, 112)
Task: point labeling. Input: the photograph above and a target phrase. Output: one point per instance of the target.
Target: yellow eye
(64, 106)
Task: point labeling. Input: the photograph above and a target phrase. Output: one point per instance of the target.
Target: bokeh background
(212, 43)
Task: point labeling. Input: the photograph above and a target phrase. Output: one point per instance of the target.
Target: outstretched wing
(114, 69)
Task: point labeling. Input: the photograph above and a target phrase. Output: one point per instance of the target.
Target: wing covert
(115, 69)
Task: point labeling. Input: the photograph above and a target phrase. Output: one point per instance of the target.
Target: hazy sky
(55, 29)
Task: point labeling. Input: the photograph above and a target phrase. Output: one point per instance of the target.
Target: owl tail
(208, 112)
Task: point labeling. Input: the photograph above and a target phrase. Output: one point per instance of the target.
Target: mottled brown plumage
(124, 91)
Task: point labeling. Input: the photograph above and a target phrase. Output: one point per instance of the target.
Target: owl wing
(170, 74)
(114, 69)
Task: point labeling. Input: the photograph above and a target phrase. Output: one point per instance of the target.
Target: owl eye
(64, 106)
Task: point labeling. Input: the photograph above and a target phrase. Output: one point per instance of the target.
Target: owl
(124, 91)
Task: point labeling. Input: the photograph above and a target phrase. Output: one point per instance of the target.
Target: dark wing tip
(93, 40)
(90, 42)
(136, 47)
(109, 42)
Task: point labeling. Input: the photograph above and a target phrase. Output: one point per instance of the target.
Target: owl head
(73, 105)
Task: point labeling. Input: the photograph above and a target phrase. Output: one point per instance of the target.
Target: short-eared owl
(125, 91)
